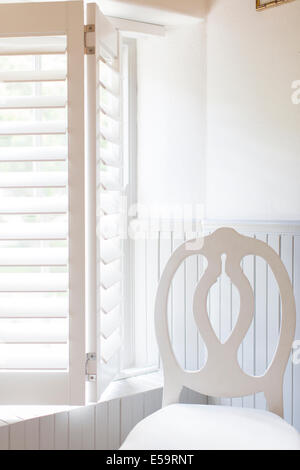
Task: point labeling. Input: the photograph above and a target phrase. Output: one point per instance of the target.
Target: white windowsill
(133, 385)
(11, 414)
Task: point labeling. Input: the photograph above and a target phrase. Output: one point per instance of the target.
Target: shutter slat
(33, 331)
(22, 231)
(33, 205)
(34, 307)
(33, 180)
(111, 111)
(110, 298)
(109, 182)
(110, 274)
(33, 128)
(33, 257)
(110, 346)
(32, 49)
(110, 226)
(111, 89)
(110, 158)
(110, 135)
(33, 357)
(34, 102)
(110, 251)
(110, 203)
(33, 76)
(20, 154)
(110, 322)
(33, 282)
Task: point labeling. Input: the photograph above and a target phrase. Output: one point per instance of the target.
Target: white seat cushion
(197, 427)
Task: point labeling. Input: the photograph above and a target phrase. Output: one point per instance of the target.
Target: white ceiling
(163, 12)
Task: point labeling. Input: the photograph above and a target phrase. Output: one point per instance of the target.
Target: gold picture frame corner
(260, 5)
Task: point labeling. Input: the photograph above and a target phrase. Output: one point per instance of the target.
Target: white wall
(253, 146)
(171, 116)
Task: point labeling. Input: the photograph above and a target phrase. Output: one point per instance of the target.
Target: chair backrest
(222, 375)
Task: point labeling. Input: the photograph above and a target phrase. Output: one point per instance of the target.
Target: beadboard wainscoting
(102, 426)
(258, 347)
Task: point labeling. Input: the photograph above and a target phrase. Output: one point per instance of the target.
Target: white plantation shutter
(106, 188)
(42, 318)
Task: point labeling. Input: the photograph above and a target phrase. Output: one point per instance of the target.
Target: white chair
(192, 427)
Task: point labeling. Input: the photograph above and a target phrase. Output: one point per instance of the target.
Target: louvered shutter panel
(42, 319)
(106, 183)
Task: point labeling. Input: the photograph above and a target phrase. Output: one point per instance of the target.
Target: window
(67, 166)
(41, 204)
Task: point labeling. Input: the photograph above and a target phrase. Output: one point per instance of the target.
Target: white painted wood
(17, 436)
(202, 351)
(296, 367)
(153, 402)
(191, 330)
(152, 278)
(273, 301)
(47, 433)
(248, 343)
(114, 431)
(4, 436)
(222, 376)
(76, 203)
(61, 431)
(287, 249)
(32, 21)
(101, 426)
(88, 428)
(137, 28)
(165, 251)
(32, 434)
(140, 309)
(75, 429)
(237, 402)
(261, 326)
(132, 412)
(102, 182)
(178, 306)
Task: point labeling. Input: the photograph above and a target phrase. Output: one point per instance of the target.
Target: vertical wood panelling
(114, 424)
(237, 402)
(140, 310)
(4, 436)
(260, 320)
(61, 431)
(75, 429)
(153, 402)
(287, 248)
(248, 343)
(273, 302)
(132, 412)
(32, 434)
(165, 251)
(101, 426)
(225, 315)
(17, 436)
(191, 330)
(202, 351)
(178, 306)
(47, 433)
(152, 277)
(88, 428)
(296, 367)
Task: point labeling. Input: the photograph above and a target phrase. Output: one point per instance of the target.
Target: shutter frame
(105, 287)
(42, 19)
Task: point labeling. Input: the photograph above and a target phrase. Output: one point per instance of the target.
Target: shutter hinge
(91, 367)
(89, 42)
